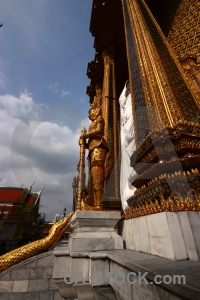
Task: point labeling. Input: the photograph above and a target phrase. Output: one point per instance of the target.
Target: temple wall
(164, 12)
(183, 36)
(173, 235)
(179, 21)
(30, 279)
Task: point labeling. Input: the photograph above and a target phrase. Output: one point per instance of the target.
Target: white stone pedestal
(94, 231)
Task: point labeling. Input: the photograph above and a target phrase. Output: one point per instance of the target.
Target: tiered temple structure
(145, 80)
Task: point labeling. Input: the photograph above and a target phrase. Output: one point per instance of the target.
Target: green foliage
(30, 225)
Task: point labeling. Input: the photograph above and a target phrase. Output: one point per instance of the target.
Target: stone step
(105, 292)
(63, 243)
(39, 295)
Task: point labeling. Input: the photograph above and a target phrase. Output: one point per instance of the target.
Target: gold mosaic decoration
(168, 98)
(192, 73)
(168, 179)
(175, 192)
(184, 35)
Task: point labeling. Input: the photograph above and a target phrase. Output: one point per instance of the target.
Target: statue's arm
(97, 132)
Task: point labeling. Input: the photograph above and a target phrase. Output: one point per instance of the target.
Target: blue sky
(45, 48)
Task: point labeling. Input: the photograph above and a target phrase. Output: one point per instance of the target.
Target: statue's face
(92, 114)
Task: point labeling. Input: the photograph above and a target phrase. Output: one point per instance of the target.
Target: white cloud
(15, 106)
(53, 87)
(43, 151)
(65, 93)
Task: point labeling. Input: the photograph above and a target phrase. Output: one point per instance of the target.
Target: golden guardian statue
(98, 157)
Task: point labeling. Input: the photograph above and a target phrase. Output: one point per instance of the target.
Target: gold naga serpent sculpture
(20, 254)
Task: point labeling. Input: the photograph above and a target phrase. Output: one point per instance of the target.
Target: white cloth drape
(127, 173)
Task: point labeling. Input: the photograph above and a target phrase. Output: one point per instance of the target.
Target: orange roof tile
(18, 196)
(12, 195)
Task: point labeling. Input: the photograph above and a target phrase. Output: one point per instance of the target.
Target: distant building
(56, 218)
(13, 202)
(46, 228)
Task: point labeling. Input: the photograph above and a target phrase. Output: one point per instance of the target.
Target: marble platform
(173, 235)
(32, 279)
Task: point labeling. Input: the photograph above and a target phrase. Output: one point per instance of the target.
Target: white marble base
(79, 265)
(94, 231)
(94, 220)
(174, 235)
(99, 264)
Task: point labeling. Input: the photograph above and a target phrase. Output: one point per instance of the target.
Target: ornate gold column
(110, 115)
(97, 102)
(109, 90)
(81, 172)
(160, 92)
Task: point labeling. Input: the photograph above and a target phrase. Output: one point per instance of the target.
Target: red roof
(30, 199)
(11, 199)
(18, 196)
(12, 195)
(47, 226)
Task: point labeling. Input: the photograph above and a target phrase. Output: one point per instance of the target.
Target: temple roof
(14, 195)
(106, 23)
(107, 26)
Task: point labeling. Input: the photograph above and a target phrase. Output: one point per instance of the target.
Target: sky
(45, 46)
